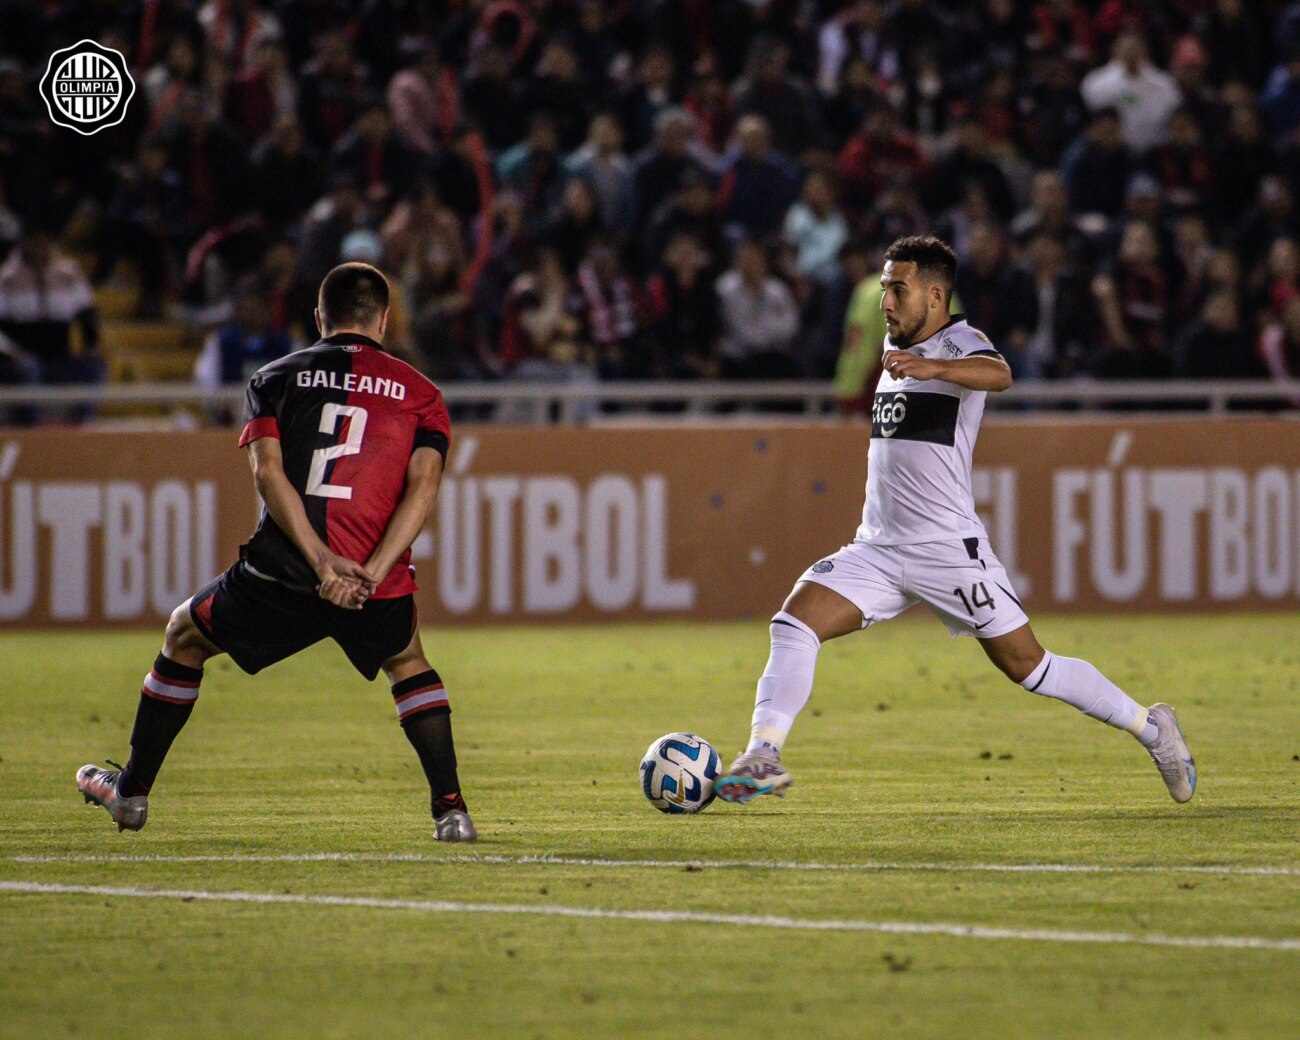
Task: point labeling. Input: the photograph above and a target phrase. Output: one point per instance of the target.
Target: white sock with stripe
(786, 683)
(1078, 683)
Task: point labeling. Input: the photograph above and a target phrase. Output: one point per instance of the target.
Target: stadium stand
(611, 192)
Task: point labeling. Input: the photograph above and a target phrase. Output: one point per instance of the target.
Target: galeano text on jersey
(352, 383)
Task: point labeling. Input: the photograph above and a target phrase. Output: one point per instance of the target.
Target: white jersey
(922, 439)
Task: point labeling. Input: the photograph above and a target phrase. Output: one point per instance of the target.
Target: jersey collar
(342, 338)
(952, 320)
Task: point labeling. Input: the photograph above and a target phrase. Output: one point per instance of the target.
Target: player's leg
(256, 621)
(834, 597)
(425, 715)
(965, 584)
(1021, 659)
(968, 589)
(811, 615)
(1078, 683)
(167, 698)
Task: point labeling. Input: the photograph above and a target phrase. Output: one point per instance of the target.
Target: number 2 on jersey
(977, 590)
(321, 457)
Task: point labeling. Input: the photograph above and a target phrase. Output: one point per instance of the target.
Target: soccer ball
(678, 771)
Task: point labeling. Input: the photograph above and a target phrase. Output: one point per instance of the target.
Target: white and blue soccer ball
(678, 772)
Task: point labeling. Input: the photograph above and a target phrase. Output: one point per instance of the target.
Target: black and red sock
(167, 698)
(425, 715)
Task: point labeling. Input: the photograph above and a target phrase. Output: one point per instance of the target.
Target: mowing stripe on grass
(672, 864)
(959, 931)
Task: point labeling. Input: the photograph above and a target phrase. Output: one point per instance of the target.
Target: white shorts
(961, 581)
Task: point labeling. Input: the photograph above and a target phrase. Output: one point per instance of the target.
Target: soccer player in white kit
(921, 542)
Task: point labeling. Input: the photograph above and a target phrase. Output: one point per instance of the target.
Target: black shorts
(258, 622)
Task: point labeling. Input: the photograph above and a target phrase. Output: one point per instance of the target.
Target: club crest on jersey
(887, 413)
(319, 378)
(823, 566)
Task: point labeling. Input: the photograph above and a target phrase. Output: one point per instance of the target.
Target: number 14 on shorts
(979, 597)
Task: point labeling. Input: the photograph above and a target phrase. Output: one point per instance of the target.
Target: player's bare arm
(343, 582)
(985, 372)
(423, 478)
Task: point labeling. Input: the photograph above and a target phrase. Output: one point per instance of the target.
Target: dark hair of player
(352, 296)
(934, 258)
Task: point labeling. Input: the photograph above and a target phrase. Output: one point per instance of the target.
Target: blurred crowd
(636, 189)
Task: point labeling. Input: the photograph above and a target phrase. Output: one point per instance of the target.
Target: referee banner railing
(679, 521)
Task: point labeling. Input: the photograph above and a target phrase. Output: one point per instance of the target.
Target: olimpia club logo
(87, 87)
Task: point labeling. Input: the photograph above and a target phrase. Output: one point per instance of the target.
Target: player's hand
(344, 582)
(343, 592)
(902, 365)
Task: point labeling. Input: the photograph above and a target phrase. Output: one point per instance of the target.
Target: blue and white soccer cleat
(1171, 754)
(754, 773)
(100, 786)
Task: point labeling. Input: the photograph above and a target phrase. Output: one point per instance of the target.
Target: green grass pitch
(913, 752)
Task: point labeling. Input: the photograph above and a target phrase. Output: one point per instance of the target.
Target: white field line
(671, 864)
(960, 931)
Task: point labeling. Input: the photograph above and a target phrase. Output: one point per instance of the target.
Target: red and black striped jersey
(348, 417)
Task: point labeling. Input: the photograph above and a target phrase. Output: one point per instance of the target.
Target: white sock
(786, 683)
(1079, 683)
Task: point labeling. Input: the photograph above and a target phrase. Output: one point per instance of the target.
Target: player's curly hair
(353, 295)
(933, 257)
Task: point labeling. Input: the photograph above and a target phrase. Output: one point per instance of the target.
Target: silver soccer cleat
(1171, 755)
(754, 773)
(454, 826)
(100, 786)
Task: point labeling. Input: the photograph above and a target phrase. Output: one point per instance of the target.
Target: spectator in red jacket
(541, 330)
(683, 312)
(262, 92)
(709, 101)
(879, 152)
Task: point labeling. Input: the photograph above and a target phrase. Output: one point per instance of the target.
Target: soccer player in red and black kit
(347, 446)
